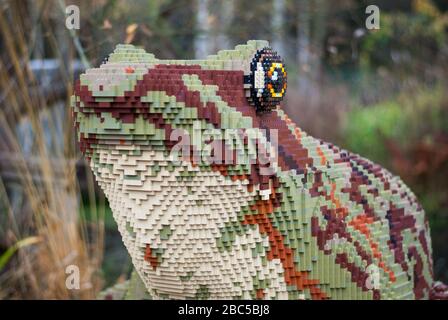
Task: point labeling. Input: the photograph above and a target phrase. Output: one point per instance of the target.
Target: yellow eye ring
(267, 81)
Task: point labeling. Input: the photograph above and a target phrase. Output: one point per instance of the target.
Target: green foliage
(409, 136)
(405, 39)
(367, 128)
(92, 212)
(9, 253)
(408, 119)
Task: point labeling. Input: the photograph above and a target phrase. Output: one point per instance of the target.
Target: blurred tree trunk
(213, 20)
(226, 13)
(278, 21)
(202, 41)
(310, 36)
(319, 14)
(62, 39)
(37, 39)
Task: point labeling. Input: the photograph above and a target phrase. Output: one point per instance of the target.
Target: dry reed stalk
(39, 270)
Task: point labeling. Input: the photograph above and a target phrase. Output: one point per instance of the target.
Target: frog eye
(267, 81)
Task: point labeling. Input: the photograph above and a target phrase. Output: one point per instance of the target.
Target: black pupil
(277, 84)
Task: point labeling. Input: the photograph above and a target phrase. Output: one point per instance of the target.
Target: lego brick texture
(323, 223)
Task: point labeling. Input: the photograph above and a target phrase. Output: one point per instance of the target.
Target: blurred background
(381, 93)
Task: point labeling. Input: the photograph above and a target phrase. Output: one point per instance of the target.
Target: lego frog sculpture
(218, 194)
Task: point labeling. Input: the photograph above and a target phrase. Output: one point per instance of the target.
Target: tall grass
(40, 194)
